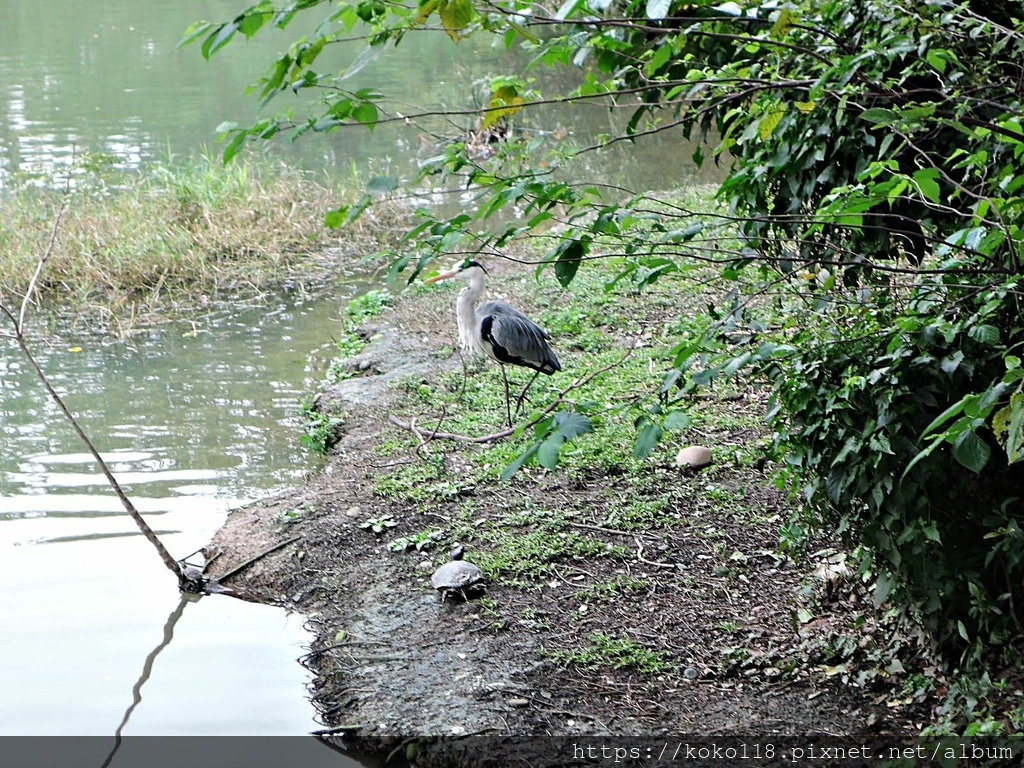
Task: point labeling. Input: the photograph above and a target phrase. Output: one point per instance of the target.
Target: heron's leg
(508, 408)
(522, 395)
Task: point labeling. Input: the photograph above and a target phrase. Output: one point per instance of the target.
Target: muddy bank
(685, 622)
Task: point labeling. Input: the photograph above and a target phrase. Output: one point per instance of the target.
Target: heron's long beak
(442, 276)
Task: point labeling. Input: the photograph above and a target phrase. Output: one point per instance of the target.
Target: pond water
(193, 419)
(106, 77)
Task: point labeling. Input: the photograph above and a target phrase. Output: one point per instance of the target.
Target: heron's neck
(468, 299)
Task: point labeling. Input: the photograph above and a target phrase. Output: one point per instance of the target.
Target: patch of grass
(607, 591)
(418, 482)
(536, 554)
(367, 305)
(618, 653)
(496, 622)
(638, 513)
(379, 524)
(588, 337)
(289, 516)
(172, 237)
(418, 541)
(321, 431)
(350, 341)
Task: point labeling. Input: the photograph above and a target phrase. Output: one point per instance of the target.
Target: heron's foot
(522, 401)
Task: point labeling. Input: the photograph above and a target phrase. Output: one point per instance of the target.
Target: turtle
(457, 577)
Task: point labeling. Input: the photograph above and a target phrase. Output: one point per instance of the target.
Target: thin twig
(19, 325)
(425, 437)
(254, 558)
(642, 559)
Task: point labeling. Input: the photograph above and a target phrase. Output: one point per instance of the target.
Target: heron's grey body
(496, 330)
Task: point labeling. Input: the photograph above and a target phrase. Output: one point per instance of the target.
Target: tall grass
(175, 235)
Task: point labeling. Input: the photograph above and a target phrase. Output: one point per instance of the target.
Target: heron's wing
(501, 308)
(513, 338)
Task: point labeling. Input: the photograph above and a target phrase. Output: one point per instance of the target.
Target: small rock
(691, 674)
(694, 456)
(424, 566)
(353, 512)
(518, 703)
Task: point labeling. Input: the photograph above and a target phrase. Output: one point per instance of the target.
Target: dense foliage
(870, 231)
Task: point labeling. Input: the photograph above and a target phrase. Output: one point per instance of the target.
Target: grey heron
(496, 330)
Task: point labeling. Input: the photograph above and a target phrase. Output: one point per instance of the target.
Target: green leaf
(570, 424)
(567, 9)
(215, 42)
(782, 24)
(425, 10)
(365, 56)
(520, 460)
(568, 257)
(925, 179)
(552, 433)
(771, 121)
(234, 146)
(962, 630)
(736, 363)
(677, 420)
(945, 416)
(971, 451)
(380, 185)
(1015, 429)
(194, 32)
(985, 334)
(365, 113)
(937, 59)
(547, 454)
(252, 22)
(660, 58)
(882, 589)
(646, 441)
(879, 116)
(505, 102)
(346, 214)
(456, 15)
(336, 218)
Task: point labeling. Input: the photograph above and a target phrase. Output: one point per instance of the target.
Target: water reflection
(106, 78)
(194, 419)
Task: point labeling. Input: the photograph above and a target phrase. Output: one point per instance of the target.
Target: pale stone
(694, 456)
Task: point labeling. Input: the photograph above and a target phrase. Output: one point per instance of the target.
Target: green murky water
(193, 419)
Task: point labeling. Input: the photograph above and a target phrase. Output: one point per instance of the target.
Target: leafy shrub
(937, 525)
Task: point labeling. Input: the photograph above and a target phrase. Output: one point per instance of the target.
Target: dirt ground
(750, 642)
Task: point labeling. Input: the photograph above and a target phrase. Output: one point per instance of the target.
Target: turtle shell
(456, 574)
